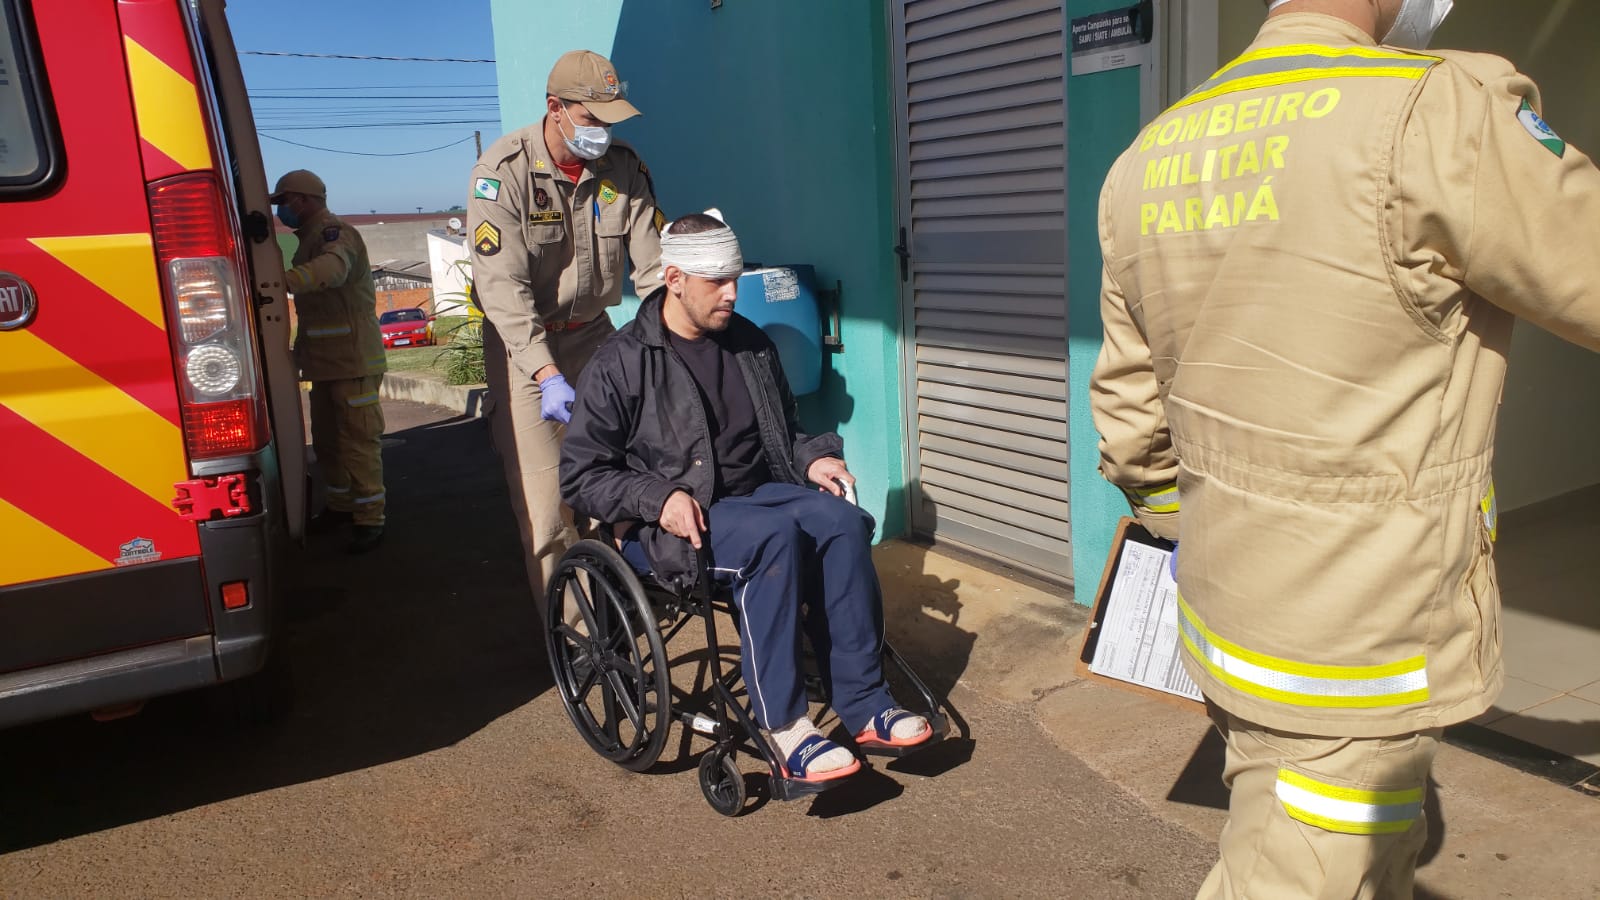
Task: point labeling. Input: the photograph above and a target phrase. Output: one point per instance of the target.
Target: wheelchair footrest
(941, 729)
(793, 789)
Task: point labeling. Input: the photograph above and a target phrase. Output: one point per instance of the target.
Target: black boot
(328, 521)
(365, 538)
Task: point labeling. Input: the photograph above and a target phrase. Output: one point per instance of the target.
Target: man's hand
(828, 472)
(682, 516)
(556, 398)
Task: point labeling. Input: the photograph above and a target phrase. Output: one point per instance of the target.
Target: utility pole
(419, 210)
(477, 141)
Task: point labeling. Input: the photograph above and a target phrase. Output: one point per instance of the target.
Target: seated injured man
(683, 436)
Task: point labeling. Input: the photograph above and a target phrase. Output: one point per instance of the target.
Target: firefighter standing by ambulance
(555, 211)
(339, 349)
(1312, 265)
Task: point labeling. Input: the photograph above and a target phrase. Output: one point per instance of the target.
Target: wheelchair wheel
(721, 782)
(612, 671)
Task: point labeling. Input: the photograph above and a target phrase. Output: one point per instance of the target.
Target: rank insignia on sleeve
(540, 198)
(608, 191)
(553, 215)
(1540, 130)
(486, 239)
(661, 222)
(330, 234)
(486, 189)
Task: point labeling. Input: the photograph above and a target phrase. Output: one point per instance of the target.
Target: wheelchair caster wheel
(722, 783)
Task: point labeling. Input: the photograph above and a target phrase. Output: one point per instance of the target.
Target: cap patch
(486, 239)
(1541, 131)
(486, 189)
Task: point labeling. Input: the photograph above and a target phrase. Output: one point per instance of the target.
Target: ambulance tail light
(224, 413)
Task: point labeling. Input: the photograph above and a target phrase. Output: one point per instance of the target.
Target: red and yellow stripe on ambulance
(89, 412)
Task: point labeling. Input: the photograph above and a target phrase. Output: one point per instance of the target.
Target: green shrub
(463, 356)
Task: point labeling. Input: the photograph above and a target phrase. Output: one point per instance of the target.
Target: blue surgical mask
(287, 216)
(587, 141)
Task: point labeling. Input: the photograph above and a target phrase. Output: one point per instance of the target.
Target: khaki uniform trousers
(1318, 817)
(347, 434)
(530, 447)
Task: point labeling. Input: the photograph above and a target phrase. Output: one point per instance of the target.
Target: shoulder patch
(486, 189)
(486, 239)
(1540, 130)
(330, 234)
(608, 191)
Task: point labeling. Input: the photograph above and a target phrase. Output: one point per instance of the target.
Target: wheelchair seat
(613, 674)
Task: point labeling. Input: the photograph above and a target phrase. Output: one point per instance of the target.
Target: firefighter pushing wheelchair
(614, 674)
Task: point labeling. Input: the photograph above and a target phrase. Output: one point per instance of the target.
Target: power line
(361, 153)
(370, 87)
(375, 97)
(386, 125)
(437, 59)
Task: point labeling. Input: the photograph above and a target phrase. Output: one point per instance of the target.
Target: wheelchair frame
(624, 655)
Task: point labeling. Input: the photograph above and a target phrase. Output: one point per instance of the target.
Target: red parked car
(406, 328)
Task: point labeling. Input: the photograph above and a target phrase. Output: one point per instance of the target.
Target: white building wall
(450, 261)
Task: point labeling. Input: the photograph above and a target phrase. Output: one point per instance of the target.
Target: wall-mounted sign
(1108, 40)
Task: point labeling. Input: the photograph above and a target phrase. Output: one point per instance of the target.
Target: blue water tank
(783, 301)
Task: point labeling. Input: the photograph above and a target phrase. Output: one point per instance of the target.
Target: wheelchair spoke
(609, 701)
(584, 603)
(629, 708)
(590, 679)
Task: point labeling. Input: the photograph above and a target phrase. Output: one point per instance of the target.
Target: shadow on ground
(403, 651)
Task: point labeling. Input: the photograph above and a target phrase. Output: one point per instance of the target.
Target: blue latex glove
(1172, 564)
(556, 398)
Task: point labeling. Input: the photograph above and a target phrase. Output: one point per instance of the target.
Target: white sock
(906, 726)
(791, 735)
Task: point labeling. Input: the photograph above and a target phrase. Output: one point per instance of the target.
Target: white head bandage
(709, 254)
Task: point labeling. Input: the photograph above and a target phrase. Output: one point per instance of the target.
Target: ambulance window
(28, 151)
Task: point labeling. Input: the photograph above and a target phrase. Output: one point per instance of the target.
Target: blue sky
(295, 99)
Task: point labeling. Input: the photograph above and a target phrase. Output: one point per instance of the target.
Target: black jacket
(639, 432)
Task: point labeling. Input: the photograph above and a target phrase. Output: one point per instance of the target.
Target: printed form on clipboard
(1138, 638)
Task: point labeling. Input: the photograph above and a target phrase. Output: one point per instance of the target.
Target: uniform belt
(569, 325)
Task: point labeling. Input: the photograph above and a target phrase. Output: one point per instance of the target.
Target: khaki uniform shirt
(547, 250)
(1312, 264)
(338, 335)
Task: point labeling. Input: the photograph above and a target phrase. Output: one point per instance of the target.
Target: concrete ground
(426, 756)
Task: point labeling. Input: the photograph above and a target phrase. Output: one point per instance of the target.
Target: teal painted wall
(1102, 119)
(779, 115)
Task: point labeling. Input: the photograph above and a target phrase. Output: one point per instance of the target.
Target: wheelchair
(615, 681)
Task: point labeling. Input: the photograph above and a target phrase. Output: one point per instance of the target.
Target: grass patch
(456, 356)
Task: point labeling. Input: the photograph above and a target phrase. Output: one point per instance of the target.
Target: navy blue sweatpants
(777, 548)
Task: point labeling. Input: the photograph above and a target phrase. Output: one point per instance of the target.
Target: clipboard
(1142, 631)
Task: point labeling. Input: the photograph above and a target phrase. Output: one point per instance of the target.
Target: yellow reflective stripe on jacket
(366, 399)
(1491, 513)
(1302, 684)
(1162, 499)
(1307, 62)
(335, 331)
(1347, 810)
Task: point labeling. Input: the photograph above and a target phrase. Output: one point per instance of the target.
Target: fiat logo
(17, 304)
